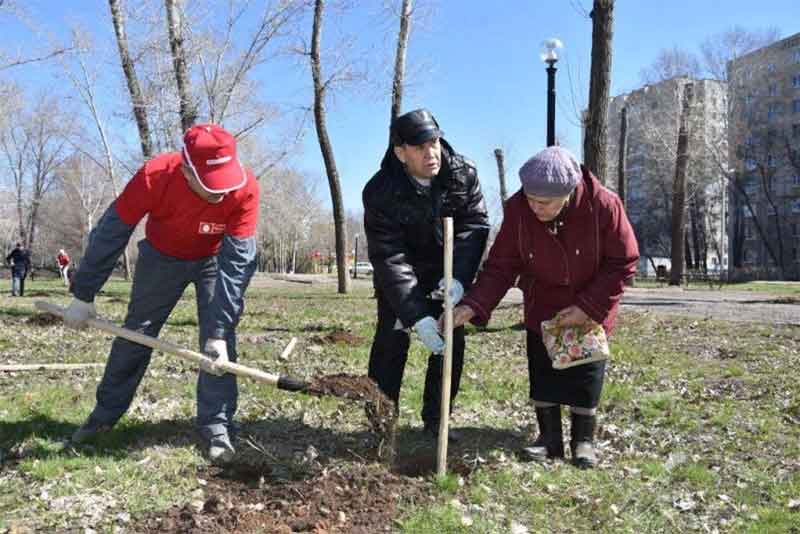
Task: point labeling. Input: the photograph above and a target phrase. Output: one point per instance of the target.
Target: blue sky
(482, 79)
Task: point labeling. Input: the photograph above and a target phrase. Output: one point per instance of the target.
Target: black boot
(550, 443)
(582, 442)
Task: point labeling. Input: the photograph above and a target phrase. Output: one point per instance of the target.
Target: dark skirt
(575, 386)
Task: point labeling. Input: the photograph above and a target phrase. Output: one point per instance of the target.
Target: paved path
(724, 305)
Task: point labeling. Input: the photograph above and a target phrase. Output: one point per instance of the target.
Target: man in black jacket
(421, 180)
(20, 261)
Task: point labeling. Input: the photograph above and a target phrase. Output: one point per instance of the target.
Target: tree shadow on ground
(277, 449)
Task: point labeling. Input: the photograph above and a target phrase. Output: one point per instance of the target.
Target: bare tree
(320, 88)
(188, 109)
(501, 173)
(400, 60)
(623, 149)
(34, 147)
(721, 48)
(84, 83)
(594, 143)
(679, 191)
(671, 63)
(137, 100)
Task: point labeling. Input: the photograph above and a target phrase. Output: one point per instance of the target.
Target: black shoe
(431, 429)
(550, 443)
(88, 431)
(582, 442)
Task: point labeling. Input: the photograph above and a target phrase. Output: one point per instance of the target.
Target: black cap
(415, 128)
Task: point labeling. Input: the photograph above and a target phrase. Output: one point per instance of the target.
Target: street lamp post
(550, 56)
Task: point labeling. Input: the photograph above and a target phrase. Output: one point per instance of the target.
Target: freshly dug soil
(357, 499)
(43, 319)
(380, 409)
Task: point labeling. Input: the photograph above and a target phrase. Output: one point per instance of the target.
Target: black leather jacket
(405, 235)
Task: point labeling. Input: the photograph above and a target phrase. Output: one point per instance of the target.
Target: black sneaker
(431, 429)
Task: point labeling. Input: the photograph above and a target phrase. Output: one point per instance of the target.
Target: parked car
(362, 267)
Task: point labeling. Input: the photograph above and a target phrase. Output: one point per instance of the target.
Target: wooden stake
(49, 367)
(444, 418)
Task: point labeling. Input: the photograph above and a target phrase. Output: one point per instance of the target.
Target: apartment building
(764, 140)
(651, 117)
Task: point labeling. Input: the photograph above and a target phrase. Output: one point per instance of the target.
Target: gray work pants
(158, 284)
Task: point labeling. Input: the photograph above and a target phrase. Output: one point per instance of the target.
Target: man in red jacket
(63, 265)
(202, 207)
(568, 239)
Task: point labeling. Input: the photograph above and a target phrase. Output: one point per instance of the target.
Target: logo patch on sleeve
(209, 228)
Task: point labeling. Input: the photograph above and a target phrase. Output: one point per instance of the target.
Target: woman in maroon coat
(568, 239)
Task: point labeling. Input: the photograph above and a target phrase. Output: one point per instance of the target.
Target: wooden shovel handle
(203, 361)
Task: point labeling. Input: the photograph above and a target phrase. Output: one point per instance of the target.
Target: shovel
(203, 361)
(379, 408)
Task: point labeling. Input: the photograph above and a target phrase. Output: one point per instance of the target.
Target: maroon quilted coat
(585, 263)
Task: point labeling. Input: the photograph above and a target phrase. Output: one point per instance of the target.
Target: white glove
(428, 332)
(78, 313)
(218, 350)
(456, 291)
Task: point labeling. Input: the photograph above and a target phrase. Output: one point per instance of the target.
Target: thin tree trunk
(137, 101)
(175, 31)
(622, 184)
(594, 144)
(400, 61)
(327, 151)
(679, 191)
(696, 222)
(501, 173)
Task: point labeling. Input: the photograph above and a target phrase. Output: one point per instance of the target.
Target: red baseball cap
(210, 151)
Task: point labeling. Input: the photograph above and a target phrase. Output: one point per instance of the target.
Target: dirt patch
(380, 409)
(359, 499)
(43, 319)
(340, 337)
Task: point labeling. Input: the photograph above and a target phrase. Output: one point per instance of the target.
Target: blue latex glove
(456, 291)
(428, 332)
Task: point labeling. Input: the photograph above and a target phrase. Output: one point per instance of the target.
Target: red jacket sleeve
(500, 270)
(618, 258)
(136, 200)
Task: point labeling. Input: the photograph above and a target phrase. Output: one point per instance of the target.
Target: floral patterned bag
(574, 345)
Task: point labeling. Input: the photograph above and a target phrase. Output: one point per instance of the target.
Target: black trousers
(387, 361)
(575, 386)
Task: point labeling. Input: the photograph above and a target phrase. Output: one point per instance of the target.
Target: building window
(748, 231)
(796, 81)
(796, 56)
(772, 90)
(796, 105)
(796, 205)
(773, 110)
(749, 256)
(771, 67)
(749, 164)
(796, 179)
(770, 160)
(796, 130)
(796, 229)
(795, 255)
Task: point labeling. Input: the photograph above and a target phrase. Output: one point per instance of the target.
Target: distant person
(63, 265)
(568, 239)
(421, 180)
(202, 207)
(20, 261)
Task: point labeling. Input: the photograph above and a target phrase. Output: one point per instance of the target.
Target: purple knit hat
(553, 172)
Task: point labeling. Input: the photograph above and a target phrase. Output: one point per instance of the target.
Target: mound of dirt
(43, 319)
(380, 409)
(357, 499)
